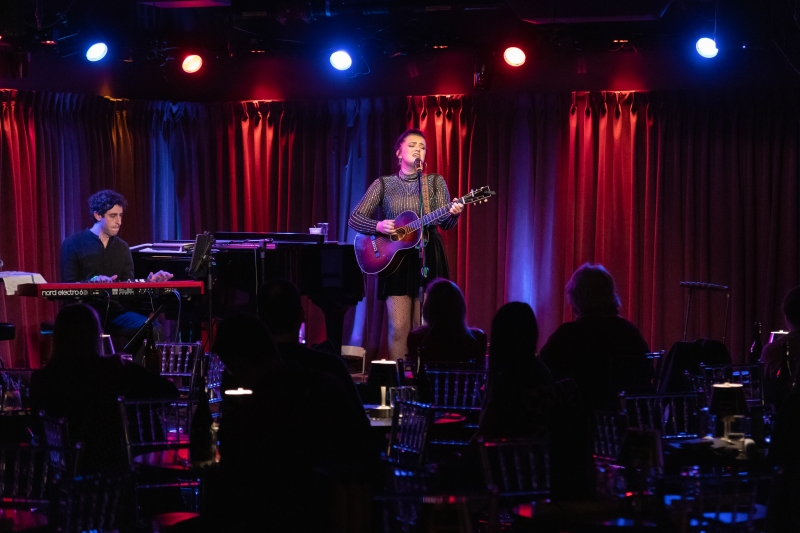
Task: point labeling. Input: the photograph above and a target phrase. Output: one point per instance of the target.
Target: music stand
(200, 266)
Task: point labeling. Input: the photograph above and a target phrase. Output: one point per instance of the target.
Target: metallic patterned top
(400, 195)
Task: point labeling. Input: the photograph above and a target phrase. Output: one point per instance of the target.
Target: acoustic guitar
(378, 254)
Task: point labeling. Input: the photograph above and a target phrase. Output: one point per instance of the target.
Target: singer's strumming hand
(385, 226)
(456, 208)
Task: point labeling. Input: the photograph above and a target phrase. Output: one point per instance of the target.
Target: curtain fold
(661, 187)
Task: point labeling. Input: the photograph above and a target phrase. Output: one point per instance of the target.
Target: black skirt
(405, 280)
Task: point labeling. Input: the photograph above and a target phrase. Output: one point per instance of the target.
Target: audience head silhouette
(77, 335)
(791, 308)
(244, 345)
(280, 308)
(515, 334)
(444, 306)
(591, 291)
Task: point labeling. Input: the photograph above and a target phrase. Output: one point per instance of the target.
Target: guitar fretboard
(431, 217)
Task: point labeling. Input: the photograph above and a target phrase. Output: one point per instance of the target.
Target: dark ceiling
(153, 38)
(389, 28)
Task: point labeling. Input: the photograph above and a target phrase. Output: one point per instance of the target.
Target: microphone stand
(422, 243)
(135, 341)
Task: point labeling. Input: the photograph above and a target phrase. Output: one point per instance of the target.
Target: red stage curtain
(659, 187)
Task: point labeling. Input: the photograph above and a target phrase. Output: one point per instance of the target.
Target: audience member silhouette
(783, 512)
(773, 352)
(280, 307)
(82, 386)
(604, 353)
(523, 400)
(518, 381)
(446, 337)
(284, 446)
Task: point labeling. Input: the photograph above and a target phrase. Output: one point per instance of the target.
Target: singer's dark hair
(399, 142)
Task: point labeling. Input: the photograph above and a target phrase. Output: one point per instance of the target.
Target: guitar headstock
(478, 195)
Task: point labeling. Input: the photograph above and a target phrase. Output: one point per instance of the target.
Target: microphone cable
(178, 323)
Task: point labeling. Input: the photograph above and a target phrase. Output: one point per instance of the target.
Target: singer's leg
(400, 313)
(415, 318)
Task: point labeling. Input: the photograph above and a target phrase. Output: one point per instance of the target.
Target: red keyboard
(57, 291)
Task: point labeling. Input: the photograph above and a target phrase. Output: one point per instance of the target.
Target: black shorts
(405, 280)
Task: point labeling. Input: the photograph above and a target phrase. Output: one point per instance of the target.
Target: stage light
(706, 47)
(341, 60)
(514, 56)
(192, 63)
(96, 52)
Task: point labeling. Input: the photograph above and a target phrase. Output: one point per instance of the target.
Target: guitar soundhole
(399, 235)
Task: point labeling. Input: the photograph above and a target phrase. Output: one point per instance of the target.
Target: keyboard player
(98, 255)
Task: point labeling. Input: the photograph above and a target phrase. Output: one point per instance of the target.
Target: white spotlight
(192, 63)
(706, 47)
(341, 60)
(96, 52)
(514, 56)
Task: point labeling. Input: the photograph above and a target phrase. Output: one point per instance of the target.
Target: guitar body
(380, 254)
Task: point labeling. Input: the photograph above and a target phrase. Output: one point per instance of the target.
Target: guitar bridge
(375, 246)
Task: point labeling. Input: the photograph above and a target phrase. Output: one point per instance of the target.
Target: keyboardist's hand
(159, 276)
(102, 279)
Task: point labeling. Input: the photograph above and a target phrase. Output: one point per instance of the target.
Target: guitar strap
(425, 199)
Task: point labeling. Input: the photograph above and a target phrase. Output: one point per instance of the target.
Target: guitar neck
(430, 218)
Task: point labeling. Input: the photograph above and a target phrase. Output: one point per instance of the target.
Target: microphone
(703, 286)
(418, 166)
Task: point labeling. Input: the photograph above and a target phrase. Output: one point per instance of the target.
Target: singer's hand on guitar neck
(456, 207)
(385, 226)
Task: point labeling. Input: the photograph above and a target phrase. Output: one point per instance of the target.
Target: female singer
(395, 194)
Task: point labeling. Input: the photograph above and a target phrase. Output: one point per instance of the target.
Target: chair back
(608, 434)
(92, 503)
(214, 378)
(715, 503)
(409, 438)
(27, 477)
(673, 415)
(515, 471)
(64, 459)
(182, 360)
(157, 424)
(460, 390)
(516, 467)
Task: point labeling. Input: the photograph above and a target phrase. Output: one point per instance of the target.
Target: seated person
(83, 387)
(98, 255)
(773, 352)
(782, 510)
(604, 353)
(280, 308)
(446, 337)
(523, 400)
(287, 444)
(518, 381)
